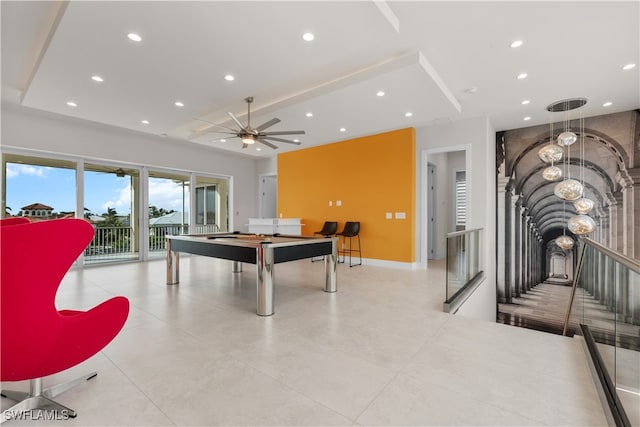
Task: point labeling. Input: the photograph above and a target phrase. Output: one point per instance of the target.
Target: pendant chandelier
(565, 242)
(581, 224)
(568, 189)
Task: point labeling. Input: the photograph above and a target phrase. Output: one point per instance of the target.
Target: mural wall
(530, 216)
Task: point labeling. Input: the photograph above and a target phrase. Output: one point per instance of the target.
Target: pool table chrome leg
(264, 278)
(237, 267)
(330, 263)
(173, 265)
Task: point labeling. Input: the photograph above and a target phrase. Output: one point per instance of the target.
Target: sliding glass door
(132, 209)
(168, 209)
(111, 205)
(211, 204)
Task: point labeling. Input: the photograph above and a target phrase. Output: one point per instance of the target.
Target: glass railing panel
(606, 310)
(463, 260)
(627, 353)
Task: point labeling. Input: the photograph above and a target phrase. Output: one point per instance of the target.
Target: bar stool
(329, 229)
(351, 230)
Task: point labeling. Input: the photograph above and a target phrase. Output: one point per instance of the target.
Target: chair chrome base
(37, 398)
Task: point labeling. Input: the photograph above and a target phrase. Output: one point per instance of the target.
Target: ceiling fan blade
(207, 132)
(214, 124)
(268, 124)
(234, 118)
(285, 132)
(268, 144)
(281, 140)
(244, 145)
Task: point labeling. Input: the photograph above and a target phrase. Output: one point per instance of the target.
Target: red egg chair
(37, 339)
(14, 220)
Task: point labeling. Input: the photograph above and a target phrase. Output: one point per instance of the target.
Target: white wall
(268, 166)
(39, 132)
(478, 137)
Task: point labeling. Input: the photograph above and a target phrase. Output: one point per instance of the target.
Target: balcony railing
(464, 267)
(117, 243)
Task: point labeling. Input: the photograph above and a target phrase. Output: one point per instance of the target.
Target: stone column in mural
(631, 202)
(523, 250)
(503, 287)
(616, 213)
(517, 258)
(604, 227)
(530, 243)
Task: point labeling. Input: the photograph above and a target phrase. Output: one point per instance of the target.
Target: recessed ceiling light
(144, 122)
(522, 76)
(309, 114)
(223, 140)
(229, 78)
(258, 149)
(516, 43)
(97, 78)
(72, 104)
(408, 114)
(526, 119)
(179, 104)
(134, 37)
(607, 104)
(525, 102)
(308, 37)
(629, 66)
(380, 93)
(296, 140)
(343, 129)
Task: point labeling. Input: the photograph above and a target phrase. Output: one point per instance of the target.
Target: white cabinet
(290, 226)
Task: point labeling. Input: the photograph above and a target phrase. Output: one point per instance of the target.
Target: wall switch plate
(389, 215)
(330, 202)
(401, 215)
(338, 202)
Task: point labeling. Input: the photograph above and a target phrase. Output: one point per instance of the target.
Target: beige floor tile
(378, 352)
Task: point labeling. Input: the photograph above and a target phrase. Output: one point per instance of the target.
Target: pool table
(262, 250)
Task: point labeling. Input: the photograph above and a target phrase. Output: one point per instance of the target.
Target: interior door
(431, 211)
(269, 196)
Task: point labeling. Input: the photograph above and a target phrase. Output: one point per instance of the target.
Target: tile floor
(379, 352)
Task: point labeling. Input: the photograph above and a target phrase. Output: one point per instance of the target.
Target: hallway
(542, 308)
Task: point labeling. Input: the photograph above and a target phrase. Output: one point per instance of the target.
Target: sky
(55, 187)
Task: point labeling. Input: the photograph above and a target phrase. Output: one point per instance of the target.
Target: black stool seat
(329, 229)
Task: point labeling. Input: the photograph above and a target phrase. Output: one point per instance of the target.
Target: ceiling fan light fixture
(248, 139)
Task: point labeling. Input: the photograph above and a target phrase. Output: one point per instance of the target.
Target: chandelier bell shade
(550, 153)
(581, 224)
(567, 138)
(568, 189)
(583, 205)
(564, 242)
(552, 173)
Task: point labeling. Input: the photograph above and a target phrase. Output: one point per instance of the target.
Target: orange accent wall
(371, 176)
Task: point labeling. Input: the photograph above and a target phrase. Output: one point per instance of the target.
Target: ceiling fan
(250, 135)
